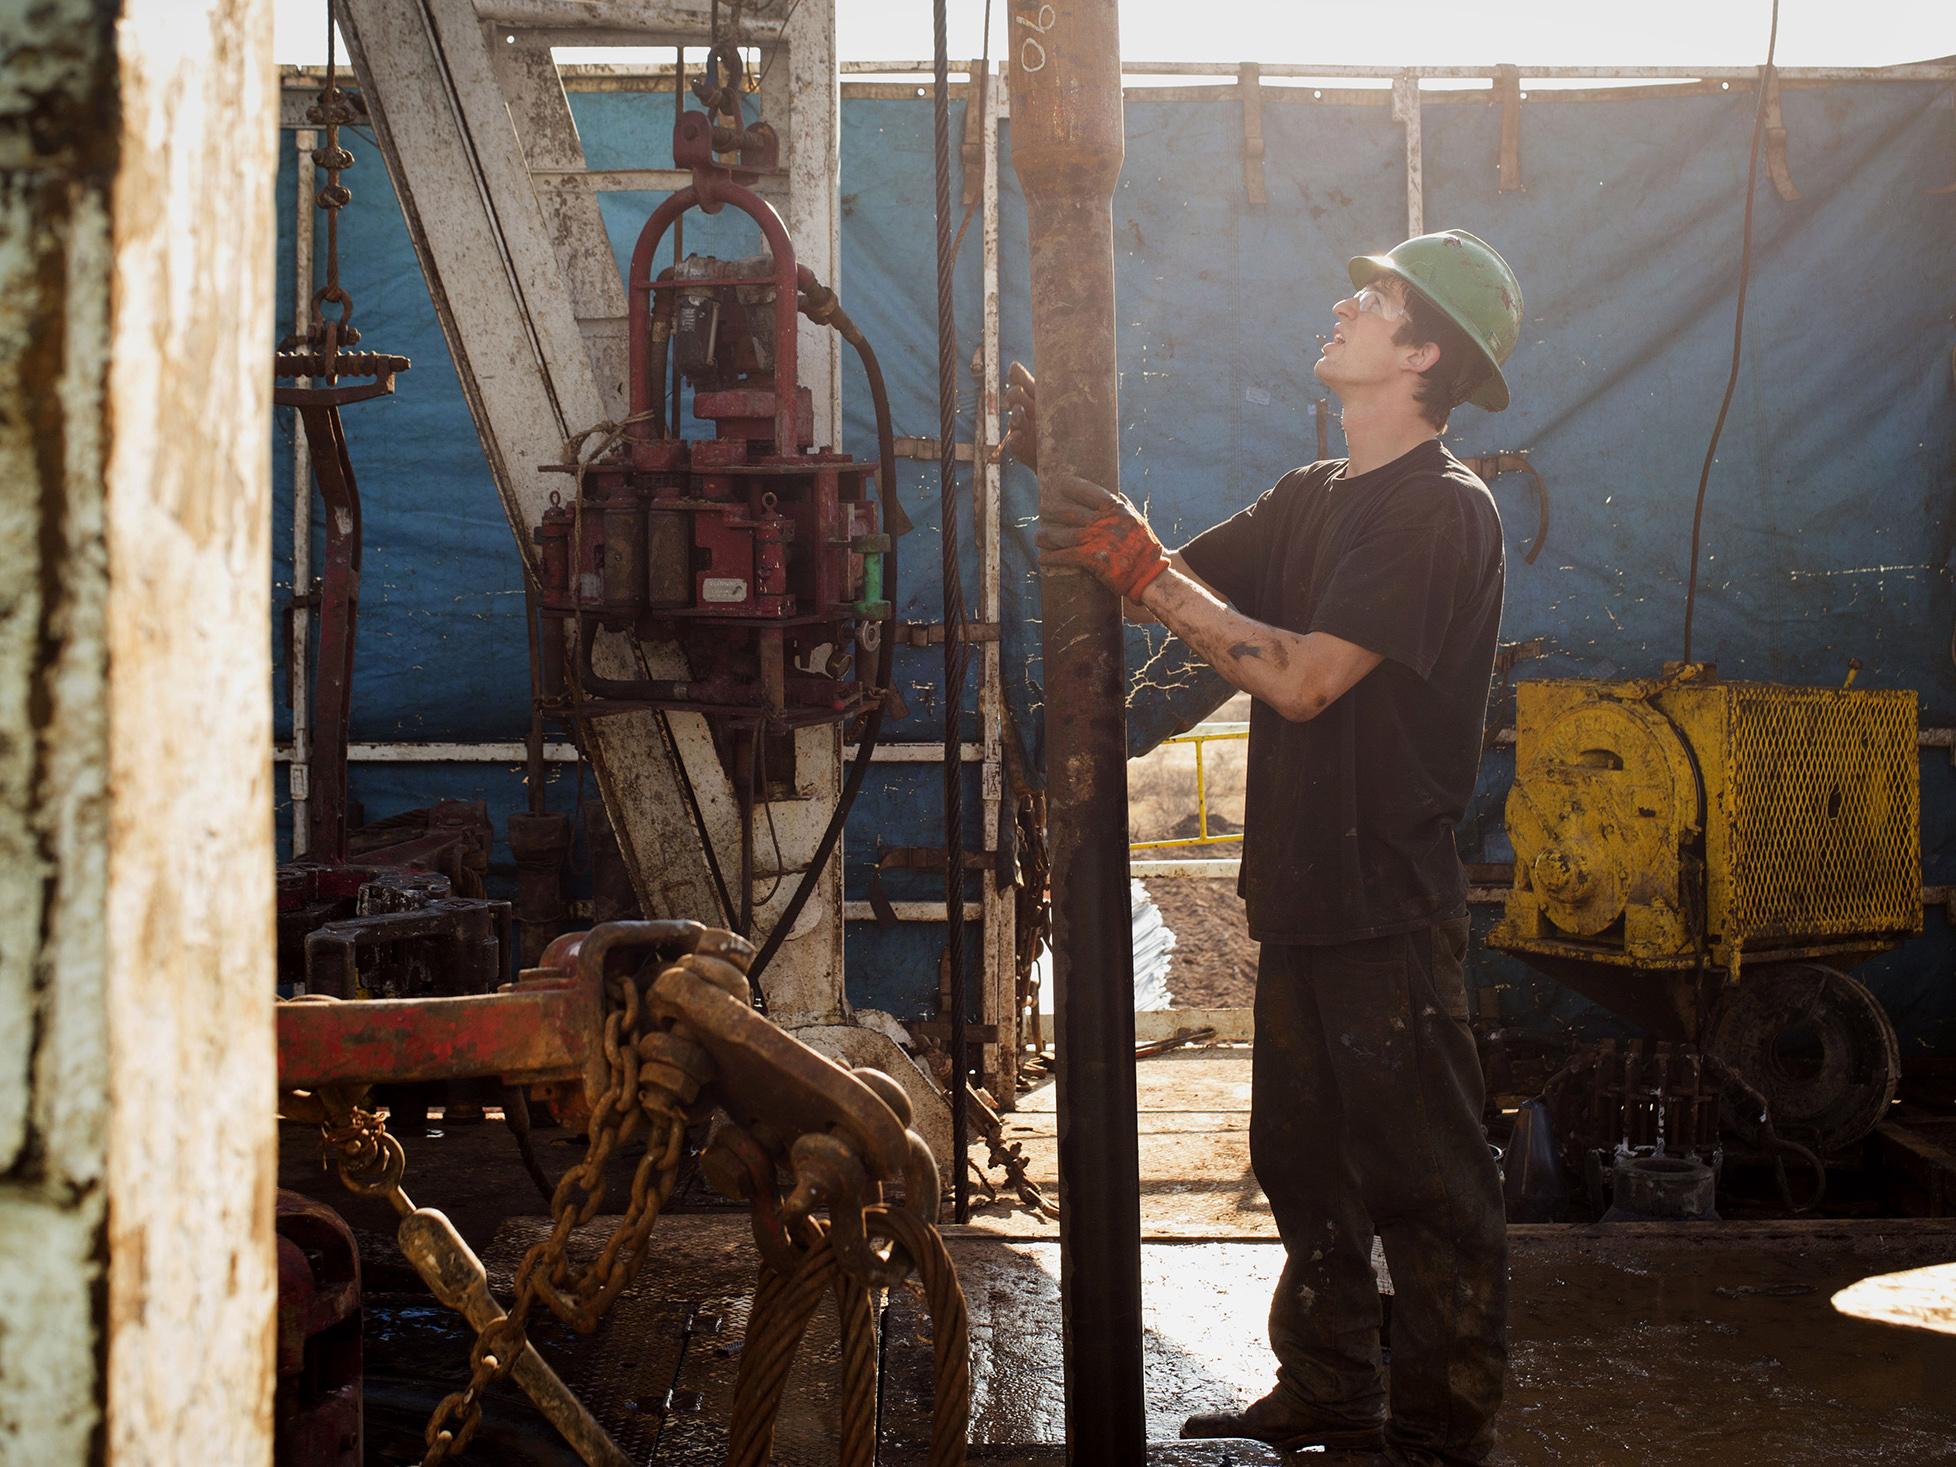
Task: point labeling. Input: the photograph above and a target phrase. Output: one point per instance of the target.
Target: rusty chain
(1005, 1154)
(652, 1077)
(658, 1067)
(580, 1296)
(331, 110)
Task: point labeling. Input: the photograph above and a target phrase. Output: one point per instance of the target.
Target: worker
(1357, 602)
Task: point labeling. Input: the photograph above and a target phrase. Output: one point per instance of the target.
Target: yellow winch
(1704, 857)
(1662, 822)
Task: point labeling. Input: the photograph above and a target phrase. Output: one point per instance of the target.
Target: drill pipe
(1067, 147)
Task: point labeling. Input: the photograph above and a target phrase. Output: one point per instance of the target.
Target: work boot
(1275, 1424)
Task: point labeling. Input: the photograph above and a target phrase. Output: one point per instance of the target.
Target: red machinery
(760, 555)
(629, 1026)
(396, 908)
(316, 1408)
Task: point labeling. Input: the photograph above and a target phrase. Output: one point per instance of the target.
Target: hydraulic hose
(820, 305)
(656, 366)
(1738, 330)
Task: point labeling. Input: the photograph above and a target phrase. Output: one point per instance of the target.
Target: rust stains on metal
(1067, 145)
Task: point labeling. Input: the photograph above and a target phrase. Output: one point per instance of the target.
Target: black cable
(699, 819)
(516, 1116)
(1738, 328)
(767, 812)
(679, 251)
(832, 314)
(955, 647)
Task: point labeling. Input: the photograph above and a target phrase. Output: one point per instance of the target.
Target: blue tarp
(1829, 533)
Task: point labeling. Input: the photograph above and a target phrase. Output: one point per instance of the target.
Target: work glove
(1083, 526)
(1021, 438)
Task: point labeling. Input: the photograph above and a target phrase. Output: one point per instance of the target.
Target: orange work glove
(1086, 527)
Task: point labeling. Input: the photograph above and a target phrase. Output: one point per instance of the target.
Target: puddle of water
(1624, 1352)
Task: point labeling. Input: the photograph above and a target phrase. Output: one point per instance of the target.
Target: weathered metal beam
(1067, 147)
(431, 90)
(535, 1033)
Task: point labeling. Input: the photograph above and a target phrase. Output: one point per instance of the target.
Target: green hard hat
(1472, 286)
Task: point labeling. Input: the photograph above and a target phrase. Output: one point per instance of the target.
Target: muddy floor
(1214, 962)
(1631, 1345)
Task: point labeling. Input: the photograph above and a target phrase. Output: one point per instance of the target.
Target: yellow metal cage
(1662, 823)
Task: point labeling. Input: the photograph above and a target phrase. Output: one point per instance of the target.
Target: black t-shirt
(1349, 831)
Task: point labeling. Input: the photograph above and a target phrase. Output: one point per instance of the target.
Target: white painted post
(813, 140)
(999, 907)
(298, 670)
(137, 1140)
(1405, 111)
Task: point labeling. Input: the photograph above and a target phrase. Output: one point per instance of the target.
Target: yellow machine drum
(1703, 857)
(1658, 823)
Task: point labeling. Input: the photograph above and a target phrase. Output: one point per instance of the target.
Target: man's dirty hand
(1084, 526)
(1021, 438)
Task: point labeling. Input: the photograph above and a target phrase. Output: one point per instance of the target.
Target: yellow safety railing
(1201, 734)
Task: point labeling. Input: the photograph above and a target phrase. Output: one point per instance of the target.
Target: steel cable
(785, 1303)
(949, 1329)
(955, 646)
(783, 1306)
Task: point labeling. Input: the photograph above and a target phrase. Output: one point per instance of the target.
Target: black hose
(516, 1115)
(1738, 330)
(1781, 1146)
(819, 304)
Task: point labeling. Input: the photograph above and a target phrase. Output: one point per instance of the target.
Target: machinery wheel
(1817, 1045)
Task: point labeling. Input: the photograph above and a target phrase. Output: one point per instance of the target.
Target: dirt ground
(1214, 965)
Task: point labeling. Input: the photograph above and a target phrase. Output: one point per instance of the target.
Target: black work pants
(1365, 1116)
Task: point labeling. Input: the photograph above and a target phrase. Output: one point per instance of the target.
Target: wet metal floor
(1631, 1346)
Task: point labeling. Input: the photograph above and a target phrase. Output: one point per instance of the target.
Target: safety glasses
(1371, 298)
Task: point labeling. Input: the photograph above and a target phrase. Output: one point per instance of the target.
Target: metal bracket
(1507, 92)
(931, 633)
(914, 858)
(1510, 655)
(938, 1032)
(927, 449)
(1249, 87)
(1776, 140)
(1515, 461)
(971, 150)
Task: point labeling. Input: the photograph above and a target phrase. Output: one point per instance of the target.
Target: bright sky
(1405, 33)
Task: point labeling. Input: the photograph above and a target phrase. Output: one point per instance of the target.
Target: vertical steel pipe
(1067, 147)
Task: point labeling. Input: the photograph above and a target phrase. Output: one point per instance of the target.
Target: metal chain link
(637, 1093)
(331, 110)
(653, 1076)
(1006, 1154)
(580, 1297)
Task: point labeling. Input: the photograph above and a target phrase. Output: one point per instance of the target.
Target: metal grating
(659, 1371)
(1825, 835)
